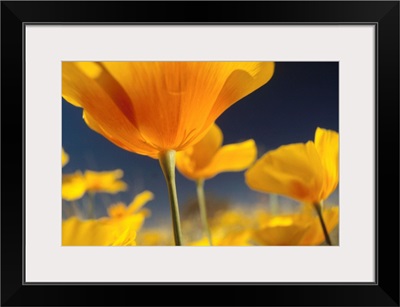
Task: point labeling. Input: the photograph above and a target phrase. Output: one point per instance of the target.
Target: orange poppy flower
(301, 228)
(306, 172)
(152, 107)
(208, 157)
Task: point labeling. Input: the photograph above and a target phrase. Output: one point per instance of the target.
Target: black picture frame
(383, 14)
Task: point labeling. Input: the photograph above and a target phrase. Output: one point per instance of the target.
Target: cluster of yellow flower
(238, 227)
(122, 222)
(75, 185)
(250, 227)
(167, 111)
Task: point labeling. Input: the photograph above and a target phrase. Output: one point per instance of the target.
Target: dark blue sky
(300, 97)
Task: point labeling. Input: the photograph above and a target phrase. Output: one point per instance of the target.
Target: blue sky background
(300, 97)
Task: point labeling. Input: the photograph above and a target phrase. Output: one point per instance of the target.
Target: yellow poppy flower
(229, 228)
(154, 237)
(118, 229)
(73, 186)
(108, 182)
(228, 238)
(158, 108)
(208, 157)
(151, 107)
(294, 229)
(315, 235)
(64, 157)
(232, 219)
(306, 172)
(76, 232)
(132, 215)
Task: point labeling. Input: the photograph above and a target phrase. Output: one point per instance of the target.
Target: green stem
(274, 205)
(203, 210)
(75, 209)
(66, 210)
(167, 163)
(318, 208)
(91, 214)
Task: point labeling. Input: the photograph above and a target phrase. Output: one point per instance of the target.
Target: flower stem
(90, 203)
(203, 210)
(318, 208)
(75, 209)
(167, 163)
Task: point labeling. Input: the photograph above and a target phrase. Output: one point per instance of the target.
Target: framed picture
(284, 166)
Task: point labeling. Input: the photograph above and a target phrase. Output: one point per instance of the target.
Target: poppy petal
(64, 157)
(106, 181)
(291, 170)
(230, 158)
(315, 235)
(199, 155)
(139, 201)
(177, 101)
(245, 78)
(327, 145)
(79, 88)
(73, 186)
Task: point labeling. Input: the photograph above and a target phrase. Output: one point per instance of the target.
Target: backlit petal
(175, 102)
(327, 145)
(134, 221)
(140, 148)
(203, 152)
(76, 232)
(110, 109)
(152, 237)
(139, 201)
(315, 235)
(302, 228)
(198, 156)
(230, 158)
(281, 235)
(73, 186)
(126, 238)
(291, 170)
(64, 157)
(117, 210)
(243, 80)
(235, 238)
(227, 238)
(106, 181)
